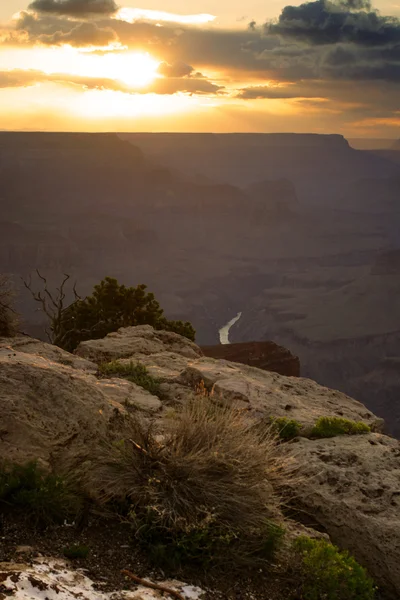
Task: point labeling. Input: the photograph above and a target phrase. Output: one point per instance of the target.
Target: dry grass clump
(202, 489)
(8, 316)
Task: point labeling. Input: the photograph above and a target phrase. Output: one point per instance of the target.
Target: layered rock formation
(263, 355)
(346, 486)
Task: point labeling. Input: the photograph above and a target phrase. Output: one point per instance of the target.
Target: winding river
(224, 331)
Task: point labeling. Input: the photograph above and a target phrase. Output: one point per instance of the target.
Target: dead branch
(52, 304)
(153, 586)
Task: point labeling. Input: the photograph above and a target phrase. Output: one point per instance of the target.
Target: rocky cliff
(263, 355)
(347, 486)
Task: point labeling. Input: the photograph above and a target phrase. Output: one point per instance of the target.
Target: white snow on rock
(53, 579)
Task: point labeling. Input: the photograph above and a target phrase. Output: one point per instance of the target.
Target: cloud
(163, 86)
(253, 55)
(54, 31)
(326, 22)
(273, 93)
(188, 85)
(84, 34)
(141, 14)
(75, 8)
(20, 78)
(177, 69)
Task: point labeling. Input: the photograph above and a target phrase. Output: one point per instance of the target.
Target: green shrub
(137, 373)
(203, 493)
(43, 497)
(76, 552)
(330, 574)
(326, 427)
(110, 307)
(206, 545)
(287, 429)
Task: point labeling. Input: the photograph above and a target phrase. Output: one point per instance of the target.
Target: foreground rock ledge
(348, 486)
(54, 579)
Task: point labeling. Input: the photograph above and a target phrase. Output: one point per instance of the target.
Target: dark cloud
(325, 22)
(84, 34)
(253, 55)
(53, 31)
(75, 8)
(188, 85)
(177, 69)
(389, 72)
(273, 93)
(353, 63)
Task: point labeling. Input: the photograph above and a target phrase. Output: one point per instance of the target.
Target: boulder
(350, 485)
(131, 341)
(47, 407)
(263, 355)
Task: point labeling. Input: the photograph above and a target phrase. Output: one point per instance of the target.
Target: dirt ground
(112, 548)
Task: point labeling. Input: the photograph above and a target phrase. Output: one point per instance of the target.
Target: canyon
(299, 233)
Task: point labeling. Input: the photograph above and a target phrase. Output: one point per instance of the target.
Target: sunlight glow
(94, 104)
(136, 14)
(136, 69)
(133, 68)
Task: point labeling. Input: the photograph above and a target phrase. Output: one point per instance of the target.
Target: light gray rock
(129, 342)
(129, 394)
(270, 394)
(47, 407)
(351, 486)
(166, 366)
(53, 353)
(179, 365)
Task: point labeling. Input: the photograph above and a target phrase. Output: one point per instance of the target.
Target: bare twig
(52, 304)
(153, 586)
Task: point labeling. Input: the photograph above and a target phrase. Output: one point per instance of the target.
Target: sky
(323, 66)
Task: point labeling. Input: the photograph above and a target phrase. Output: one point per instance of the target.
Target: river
(224, 331)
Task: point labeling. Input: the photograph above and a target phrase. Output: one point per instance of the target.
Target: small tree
(110, 307)
(8, 316)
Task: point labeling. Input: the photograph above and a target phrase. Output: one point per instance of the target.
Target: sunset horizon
(95, 65)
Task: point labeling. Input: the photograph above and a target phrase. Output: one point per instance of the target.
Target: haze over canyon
(298, 233)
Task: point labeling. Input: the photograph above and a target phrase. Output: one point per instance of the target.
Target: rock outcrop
(47, 407)
(349, 487)
(137, 340)
(263, 355)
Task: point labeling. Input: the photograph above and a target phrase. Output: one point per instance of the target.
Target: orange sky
(94, 65)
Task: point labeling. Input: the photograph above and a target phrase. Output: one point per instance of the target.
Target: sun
(136, 69)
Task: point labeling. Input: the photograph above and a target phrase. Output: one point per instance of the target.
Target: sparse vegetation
(42, 497)
(203, 493)
(110, 307)
(287, 429)
(8, 316)
(330, 574)
(327, 427)
(137, 373)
